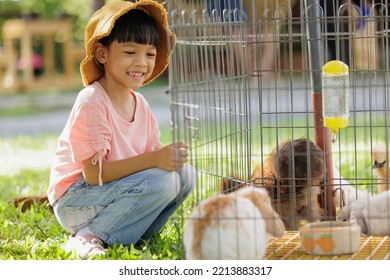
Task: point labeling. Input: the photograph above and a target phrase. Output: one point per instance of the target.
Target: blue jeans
(128, 209)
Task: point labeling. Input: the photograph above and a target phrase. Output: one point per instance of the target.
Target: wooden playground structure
(16, 57)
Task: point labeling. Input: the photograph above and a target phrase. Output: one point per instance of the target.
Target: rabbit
(292, 174)
(27, 202)
(372, 214)
(232, 226)
(286, 170)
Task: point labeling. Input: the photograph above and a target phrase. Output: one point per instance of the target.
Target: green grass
(36, 234)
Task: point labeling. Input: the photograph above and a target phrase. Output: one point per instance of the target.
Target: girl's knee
(168, 185)
(188, 177)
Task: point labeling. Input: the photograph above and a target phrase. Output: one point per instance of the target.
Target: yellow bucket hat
(101, 24)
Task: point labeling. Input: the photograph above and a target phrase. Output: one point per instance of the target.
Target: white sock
(85, 231)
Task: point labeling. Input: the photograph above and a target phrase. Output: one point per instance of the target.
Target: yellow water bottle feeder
(335, 96)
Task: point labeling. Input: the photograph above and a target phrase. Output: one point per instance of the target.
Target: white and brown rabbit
(232, 226)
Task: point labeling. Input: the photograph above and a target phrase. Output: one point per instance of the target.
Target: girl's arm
(170, 158)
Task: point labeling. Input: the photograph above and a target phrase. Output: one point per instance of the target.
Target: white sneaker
(85, 246)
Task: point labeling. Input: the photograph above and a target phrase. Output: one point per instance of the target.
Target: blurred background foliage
(78, 11)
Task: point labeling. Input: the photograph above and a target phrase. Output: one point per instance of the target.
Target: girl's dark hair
(134, 26)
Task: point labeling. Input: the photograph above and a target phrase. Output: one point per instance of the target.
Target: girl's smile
(129, 60)
(137, 75)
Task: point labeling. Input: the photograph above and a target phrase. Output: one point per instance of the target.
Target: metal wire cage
(246, 79)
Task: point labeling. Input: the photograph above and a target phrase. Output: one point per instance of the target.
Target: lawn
(36, 234)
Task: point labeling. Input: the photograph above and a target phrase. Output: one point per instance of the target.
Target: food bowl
(330, 238)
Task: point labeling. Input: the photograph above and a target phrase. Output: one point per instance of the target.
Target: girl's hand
(172, 157)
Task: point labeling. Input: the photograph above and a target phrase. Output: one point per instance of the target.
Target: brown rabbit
(27, 201)
(292, 174)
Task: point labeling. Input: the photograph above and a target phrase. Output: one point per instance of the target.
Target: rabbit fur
(371, 214)
(288, 169)
(350, 193)
(380, 167)
(232, 226)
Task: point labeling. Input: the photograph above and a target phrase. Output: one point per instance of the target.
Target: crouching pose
(112, 181)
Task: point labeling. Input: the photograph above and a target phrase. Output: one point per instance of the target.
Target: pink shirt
(95, 128)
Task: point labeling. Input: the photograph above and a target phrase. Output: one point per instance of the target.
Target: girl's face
(129, 64)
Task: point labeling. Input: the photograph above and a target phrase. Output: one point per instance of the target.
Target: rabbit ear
(344, 213)
(260, 198)
(273, 223)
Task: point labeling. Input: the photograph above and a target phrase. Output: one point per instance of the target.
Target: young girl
(111, 180)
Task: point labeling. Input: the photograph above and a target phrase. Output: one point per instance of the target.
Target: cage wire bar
(245, 77)
(322, 135)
